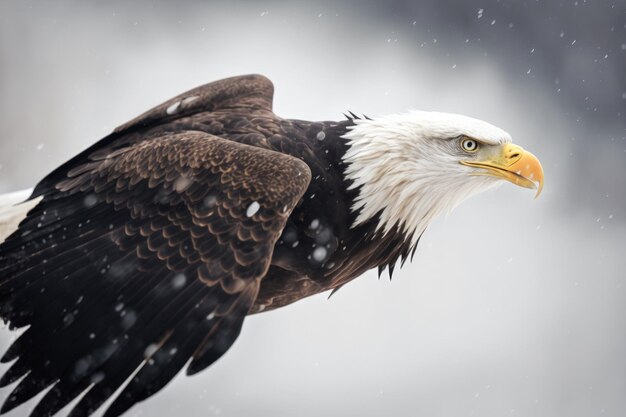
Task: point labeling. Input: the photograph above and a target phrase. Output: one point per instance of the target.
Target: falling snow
(179, 281)
(319, 254)
(90, 200)
(252, 209)
(150, 350)
(188, 100)
(182, 183)
(210, 201)
(97, 377)
(569, 84)
(173, 108)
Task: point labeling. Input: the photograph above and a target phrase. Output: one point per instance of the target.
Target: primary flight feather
(145, 252)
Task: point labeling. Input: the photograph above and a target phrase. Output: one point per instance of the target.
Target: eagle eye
(469, 144)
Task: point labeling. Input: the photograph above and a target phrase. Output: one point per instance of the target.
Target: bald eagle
(145, 252)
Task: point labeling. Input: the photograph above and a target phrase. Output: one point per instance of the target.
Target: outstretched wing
(142, 258)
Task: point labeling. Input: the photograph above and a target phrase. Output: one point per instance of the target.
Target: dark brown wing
(140, 260)
(245, 91)
(244, 94)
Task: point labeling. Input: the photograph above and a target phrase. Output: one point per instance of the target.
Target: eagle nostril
(515, 155)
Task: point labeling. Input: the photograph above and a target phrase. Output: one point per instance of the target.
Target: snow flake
(320, 135)
(480, 13)
(150, 350)
(68, 319)
(314, 224)
(90, 200)
(319, 254)
(182, 183)
(97, 377)
(173, 108)
(252, 209)
(210, 201)
(179, 281)
(189, 100)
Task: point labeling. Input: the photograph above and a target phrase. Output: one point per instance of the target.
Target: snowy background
(512, 307)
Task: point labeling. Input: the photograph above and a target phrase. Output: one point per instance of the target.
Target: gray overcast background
(512, 307)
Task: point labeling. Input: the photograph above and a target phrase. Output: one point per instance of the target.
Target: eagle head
(410, 167)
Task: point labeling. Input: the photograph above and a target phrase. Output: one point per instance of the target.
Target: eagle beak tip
(531, 170)
(539, 189)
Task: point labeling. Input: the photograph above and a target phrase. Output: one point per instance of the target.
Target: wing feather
(138, 262)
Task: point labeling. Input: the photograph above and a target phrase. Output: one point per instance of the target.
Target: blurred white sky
(511, 307)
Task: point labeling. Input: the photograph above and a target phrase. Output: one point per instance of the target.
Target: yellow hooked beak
(513, 164)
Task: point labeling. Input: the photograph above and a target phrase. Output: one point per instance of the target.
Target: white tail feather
(13, 210)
